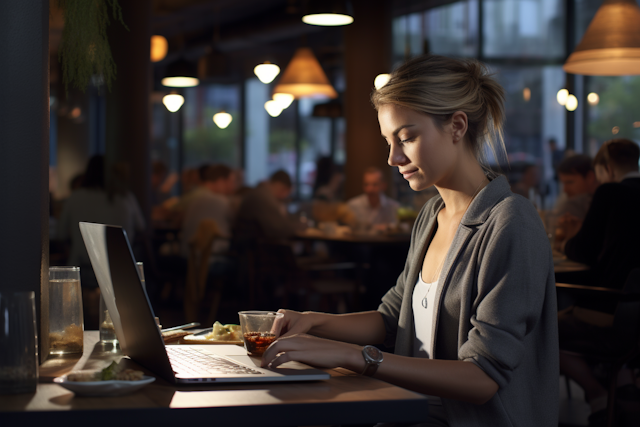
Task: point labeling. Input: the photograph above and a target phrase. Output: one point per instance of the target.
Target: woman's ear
(459, 125)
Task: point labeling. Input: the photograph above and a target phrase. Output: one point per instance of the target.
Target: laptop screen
(128, 304)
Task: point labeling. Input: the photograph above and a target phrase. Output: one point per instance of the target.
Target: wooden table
(346, 398)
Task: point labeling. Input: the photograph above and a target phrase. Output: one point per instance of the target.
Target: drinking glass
(259, 330)
(108, 335)
(66, 325)
(19, 343)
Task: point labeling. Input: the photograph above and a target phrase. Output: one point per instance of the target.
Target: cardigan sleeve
(515, 271)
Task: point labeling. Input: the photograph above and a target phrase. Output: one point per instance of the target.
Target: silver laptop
(140, 338)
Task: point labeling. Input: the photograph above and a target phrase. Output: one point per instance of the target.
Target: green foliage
(209, 143)
(84, 49)
(619, 106)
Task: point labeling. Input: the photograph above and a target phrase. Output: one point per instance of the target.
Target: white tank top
(424, 294)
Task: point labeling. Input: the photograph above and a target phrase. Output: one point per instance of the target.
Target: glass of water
(66, 324)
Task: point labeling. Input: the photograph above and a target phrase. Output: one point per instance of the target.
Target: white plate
(103, 388)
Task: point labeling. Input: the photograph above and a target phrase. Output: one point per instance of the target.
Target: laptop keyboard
(192, 361)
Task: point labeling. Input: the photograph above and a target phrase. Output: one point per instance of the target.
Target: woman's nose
(396, 156)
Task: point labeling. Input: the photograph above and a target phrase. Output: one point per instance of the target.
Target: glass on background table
(66, 324)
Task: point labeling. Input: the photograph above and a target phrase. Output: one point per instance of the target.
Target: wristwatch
(373, 358)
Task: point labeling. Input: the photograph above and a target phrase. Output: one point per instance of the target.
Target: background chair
(198, 266)
(622, 345)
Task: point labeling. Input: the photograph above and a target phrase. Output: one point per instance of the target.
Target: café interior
(176, 88)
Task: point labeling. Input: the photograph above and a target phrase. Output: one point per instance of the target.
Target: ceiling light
(526, 94)
(284, 99)
(304, 77)
(381, 80)
(572, 103)
(159, 48)
(273, 108)
(181, 73)
(222, 119)
(611, 44)
(593, 98)
(328, 13)
(173, 102)
(562, 96)
(266, 72)
(615, 130)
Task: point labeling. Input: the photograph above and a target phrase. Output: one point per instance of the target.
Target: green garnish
(109, 373)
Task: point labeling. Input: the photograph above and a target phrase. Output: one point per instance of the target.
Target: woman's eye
(402, 141)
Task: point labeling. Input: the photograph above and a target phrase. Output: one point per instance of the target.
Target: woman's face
(422, 152)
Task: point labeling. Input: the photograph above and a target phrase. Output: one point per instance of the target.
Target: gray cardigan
(496, 307)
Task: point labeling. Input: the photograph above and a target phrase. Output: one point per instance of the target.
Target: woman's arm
(357, 328)
(451, 379)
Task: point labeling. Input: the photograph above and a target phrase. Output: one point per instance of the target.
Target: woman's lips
(408, 174)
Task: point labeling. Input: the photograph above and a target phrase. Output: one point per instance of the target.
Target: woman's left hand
(313, 351)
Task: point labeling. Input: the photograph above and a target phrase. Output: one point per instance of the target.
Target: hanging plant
(84, 49)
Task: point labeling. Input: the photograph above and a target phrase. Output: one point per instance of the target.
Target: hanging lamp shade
(304, 77)
(222, 119)
(266, 72)
(181, 73)
(173, 101)
(328, 13)
(611, 44)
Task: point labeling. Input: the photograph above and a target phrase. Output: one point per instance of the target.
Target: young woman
(473, 315)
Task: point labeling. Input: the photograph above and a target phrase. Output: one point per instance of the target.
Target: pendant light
(381, 80)
(181, 73)
(222, 119)
(159, 48)
(328, 13)
(284, 99)
(173, 102)
(273, 108)
(266, 72)
(611, 44)
(304, 77)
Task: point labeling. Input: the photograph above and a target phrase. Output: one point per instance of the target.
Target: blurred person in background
(263, 211)
(579, 183)
(210, 201)
(94, 202)
(527, 186)
(373, 209)
(607, 241)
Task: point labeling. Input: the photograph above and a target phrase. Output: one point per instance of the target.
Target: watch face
(373, 353)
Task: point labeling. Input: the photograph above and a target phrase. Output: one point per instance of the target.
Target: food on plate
(222, 332)
(170, 336)
(114, 371)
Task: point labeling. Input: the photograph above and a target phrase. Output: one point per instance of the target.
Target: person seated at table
(263, 212)
(210, 201)
(579, 183)
(607, 241)
(373, 209)
(473, 315)
(94, 201)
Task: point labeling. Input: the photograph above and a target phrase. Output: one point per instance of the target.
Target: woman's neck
(461, 186)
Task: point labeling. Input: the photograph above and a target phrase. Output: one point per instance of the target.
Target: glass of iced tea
(259, 330)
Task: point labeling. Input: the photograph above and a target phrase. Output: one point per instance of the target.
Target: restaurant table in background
(346, 398)
(380, 258)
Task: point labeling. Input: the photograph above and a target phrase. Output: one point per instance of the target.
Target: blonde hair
(440, 86)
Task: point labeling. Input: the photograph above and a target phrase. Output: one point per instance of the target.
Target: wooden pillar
(24, 154)
(367, 54)
(128, 108)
